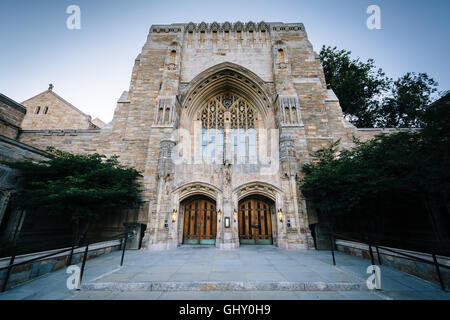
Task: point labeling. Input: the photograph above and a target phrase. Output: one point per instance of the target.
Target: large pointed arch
(227, 77)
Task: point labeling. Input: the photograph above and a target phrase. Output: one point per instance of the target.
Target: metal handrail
(123, 235)
(402, 254)
(59, 252)
(391, 250)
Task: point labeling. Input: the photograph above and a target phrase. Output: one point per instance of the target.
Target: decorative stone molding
(288, 157)
(216, 27)
(238, 26)
(166, 167)
(187, 190)
(257, 187)
(60, 132)
(228, 75)
(288, 111)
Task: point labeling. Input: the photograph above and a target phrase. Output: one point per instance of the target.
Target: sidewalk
(206, 273)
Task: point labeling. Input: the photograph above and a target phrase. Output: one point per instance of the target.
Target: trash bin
(134, 230)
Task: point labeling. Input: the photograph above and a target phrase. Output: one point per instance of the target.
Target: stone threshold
(225, 286)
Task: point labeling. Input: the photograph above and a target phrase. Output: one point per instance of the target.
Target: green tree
(358, 85)
(407, 101)
(370, 99)
(85, 187)
(405, 170)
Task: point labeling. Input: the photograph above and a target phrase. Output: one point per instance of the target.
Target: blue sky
(91, 67)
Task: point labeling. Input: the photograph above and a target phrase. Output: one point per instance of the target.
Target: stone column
(164, 236)
(230, 239)
(295, 227)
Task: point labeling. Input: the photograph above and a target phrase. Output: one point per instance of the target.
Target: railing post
(69, 261)
(83, 265)
(378, 255)
(332, 248)
(124, 247)
(8, 272)
(371, 255)
(436, 265)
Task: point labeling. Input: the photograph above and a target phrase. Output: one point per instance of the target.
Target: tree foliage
(369, 98)
(83, 186)
(357, 84)
(406, 105)
(404, 169)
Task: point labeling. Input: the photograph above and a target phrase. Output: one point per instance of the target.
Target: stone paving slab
(263, 272)
(225, 286)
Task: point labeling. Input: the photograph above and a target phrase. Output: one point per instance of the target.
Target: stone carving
(166, 167)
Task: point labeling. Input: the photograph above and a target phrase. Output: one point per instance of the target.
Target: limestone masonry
(219, 118)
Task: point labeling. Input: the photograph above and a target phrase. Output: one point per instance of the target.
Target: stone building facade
(49, 111)
(219, 118)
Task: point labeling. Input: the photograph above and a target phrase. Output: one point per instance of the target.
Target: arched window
(280, 56)
(173, 55)
(228, 111)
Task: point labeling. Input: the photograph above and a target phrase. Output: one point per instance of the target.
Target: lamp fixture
(235, 215)
(227, 222)
(219, 215)
(174, 215)
(280, 215)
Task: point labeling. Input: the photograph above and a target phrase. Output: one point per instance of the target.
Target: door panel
(254, 222)
(200, 222)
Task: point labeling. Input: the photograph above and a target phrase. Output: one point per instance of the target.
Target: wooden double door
(200, 222)
(255, 222)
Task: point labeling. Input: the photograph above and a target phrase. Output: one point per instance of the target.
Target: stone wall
(271, 65)
(29, 271)
(47, 110)
(11, 117)
(420, 269)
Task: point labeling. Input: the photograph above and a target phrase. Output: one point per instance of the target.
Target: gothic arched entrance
(200, 221)
(255, 220)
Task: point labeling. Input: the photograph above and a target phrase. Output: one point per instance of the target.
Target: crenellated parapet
(228, 27)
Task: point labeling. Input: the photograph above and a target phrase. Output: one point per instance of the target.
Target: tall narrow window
(166, 115)
(242, 124)
(45, 110)
(203, 137)
(173, 55)
(252, 145)
(160, 115)
(38, 109)
(280, 56)
(263, 35)
(220, 144)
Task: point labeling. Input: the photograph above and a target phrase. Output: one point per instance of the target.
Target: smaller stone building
(48, 111)
(11, 117)
(35, 232)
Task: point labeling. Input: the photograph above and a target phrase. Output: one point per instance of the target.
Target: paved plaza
(206, 273)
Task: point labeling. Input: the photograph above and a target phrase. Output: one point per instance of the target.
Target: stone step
(225, 286)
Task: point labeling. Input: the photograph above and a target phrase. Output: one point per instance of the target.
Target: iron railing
(373, 243)
(122, 236)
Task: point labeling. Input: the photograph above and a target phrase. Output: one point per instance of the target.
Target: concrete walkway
(250, 272)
